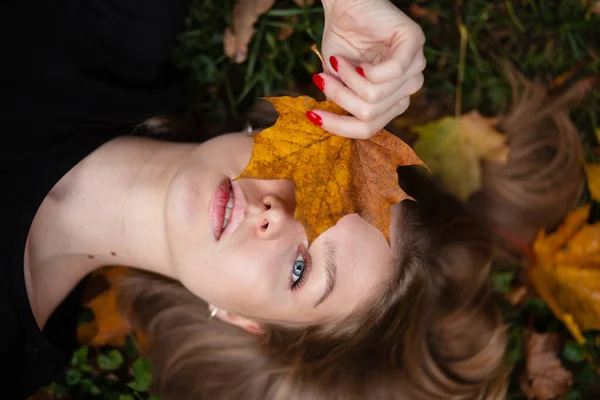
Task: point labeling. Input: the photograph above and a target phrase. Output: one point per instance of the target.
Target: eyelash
(307, 265)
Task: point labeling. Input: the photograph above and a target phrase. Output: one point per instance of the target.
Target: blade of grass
(464, 37)
(255, 49)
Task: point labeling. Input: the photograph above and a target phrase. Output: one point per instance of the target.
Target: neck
(108, 210)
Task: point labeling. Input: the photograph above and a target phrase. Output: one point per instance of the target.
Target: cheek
(240, 280)
(229, 153)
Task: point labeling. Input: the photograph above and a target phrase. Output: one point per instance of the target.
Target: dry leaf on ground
(334, 176)
(108, 327)
(287, 31)
(517, 295)
(419, 12)
(245, 14)
(592, 172)
(546, 246)
(545, 378)
(454, 149)
(566, 273)
(300, 3)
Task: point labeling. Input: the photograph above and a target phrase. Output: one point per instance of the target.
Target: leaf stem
(464, 36)
(318, 53)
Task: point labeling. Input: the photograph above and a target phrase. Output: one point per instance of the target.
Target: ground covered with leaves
(554, 340)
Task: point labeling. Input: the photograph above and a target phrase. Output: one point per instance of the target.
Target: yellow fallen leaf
(86, 332)
(334, 176)
(583, 249)
(586, 241)
(109, 327)
(544, 282)
(245, 14)
(574, 291)
(566, 273)
(480, 132)
(453, 150)
(546, 246)
(112, 327)
(592, 172)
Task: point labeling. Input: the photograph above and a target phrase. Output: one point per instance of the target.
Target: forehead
(364, 263)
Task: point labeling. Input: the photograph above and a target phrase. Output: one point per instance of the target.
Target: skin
(152, 211)
(146, 204)
(387, 46)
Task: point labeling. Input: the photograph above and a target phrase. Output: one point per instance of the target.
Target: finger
(337, 92)
(401, 60)
(370, 92)
(352, 127)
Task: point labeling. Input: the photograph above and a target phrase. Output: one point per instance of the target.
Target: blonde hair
(434, 334)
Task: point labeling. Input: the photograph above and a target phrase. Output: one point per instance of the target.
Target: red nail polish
(360, 71)
(334, 63)
(318, 81)
(314, 118)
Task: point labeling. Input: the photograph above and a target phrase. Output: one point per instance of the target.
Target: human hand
(376, 61)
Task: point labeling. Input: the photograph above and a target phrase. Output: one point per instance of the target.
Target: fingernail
(314, 118)
(333, 62)
(360, 71)
(318, 81)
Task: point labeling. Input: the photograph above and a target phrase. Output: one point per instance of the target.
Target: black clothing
(73, 75)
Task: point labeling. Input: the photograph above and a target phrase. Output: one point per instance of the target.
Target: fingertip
(318, 81)
(334, 63)
(360, 71)
(314, 118)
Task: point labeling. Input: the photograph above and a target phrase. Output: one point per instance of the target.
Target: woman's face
(260, 266)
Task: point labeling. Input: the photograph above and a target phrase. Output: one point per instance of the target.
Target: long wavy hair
(435, 333)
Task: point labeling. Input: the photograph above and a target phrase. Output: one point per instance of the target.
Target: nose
(274, 218)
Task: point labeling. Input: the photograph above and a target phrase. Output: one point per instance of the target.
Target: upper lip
(238, 210)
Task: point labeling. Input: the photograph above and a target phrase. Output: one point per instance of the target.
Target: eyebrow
(330, 270)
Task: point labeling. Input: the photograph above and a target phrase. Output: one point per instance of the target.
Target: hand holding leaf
(334, 175)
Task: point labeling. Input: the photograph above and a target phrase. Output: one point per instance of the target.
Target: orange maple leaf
(109, 327)
(334, 176)
(567, 272)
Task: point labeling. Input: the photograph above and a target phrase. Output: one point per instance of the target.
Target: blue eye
(300, 268)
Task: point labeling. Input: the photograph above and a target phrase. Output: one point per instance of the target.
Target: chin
(186, 209)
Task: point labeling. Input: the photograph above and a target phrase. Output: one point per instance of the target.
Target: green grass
(541, 38)
(218, 88)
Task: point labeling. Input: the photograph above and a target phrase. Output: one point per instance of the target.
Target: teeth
(228, 210)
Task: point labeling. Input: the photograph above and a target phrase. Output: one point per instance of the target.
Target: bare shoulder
(111, 158)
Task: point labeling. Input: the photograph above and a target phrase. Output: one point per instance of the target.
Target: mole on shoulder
(112, 253)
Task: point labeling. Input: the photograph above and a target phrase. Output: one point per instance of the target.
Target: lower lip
(217, 208)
